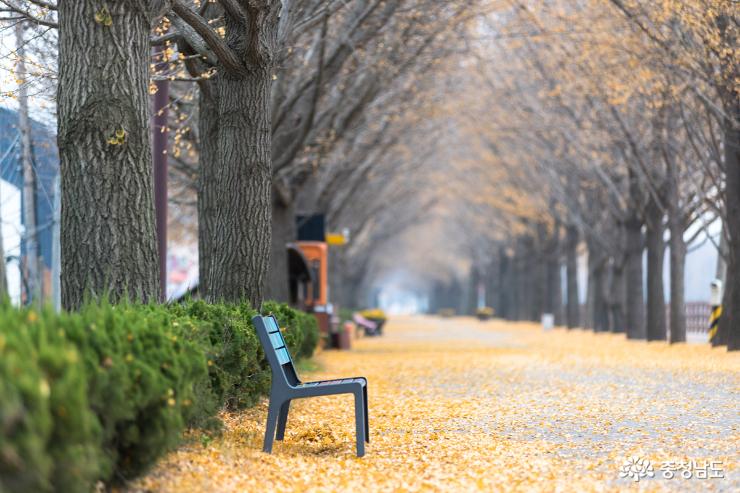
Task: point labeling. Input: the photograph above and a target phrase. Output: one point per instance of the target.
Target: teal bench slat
(272, 325)
(277, 340)
(283, 356)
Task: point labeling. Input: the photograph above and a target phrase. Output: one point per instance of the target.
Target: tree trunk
(539, 257)
(242, 232)
(108, 238)
(554, 299)
(730, 325)
(656, 321)
(618, 297)
(30, 237)
(635, 302)
(600, 306)
(492, 283)
(208, 187)
(677, 259)
(506, 284)
(242, 228)
(283, 232)
(526, 268)
(571, 272)
(471, 297)
(588, 322)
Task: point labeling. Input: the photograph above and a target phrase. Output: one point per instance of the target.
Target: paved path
(460, 405)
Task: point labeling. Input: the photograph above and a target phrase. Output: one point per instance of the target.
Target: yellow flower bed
(374, 314)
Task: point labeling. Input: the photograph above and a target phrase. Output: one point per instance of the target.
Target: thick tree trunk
(108, 238)
(506, 284)
(471, 298)
(730, 326)
(600, 305)
(242, 228)
(283, 232)
(635, 302)
(492, 280)
(526, 268)
(30, 238)
(618, 298)
(597, 305)
(588, 322)
(571, 272)
(539, 257)
(677, 260)
(554, 299)
(242, 232)
(208, 186)
(656, 321)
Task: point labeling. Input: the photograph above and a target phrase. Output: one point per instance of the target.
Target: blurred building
(46, 165)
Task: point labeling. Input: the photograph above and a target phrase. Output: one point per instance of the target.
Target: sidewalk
(460, 405)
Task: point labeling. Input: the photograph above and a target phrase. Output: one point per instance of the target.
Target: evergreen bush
(101, 393)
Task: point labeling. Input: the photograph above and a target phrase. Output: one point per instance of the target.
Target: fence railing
(697, 317)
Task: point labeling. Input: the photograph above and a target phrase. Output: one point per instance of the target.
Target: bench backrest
(276, 350)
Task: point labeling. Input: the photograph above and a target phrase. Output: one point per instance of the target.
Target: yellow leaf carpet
(462, 405)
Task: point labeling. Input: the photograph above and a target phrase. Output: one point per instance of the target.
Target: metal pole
(159, 147)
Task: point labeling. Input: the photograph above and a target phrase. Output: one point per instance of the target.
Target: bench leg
(367, 416)
(272, 417)
(282, 420)
(360, 423)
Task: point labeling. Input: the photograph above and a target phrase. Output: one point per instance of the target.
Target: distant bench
(370, 327)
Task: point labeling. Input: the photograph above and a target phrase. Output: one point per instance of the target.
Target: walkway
(460, 405)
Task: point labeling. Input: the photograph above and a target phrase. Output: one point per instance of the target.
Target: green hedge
(99, 394)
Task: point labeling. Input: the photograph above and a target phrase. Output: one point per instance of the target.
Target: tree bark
(571, 273)
(599, 305)
(207, 184)
(283, 232)
(539, 257)
(242, 233)
(554, 300)
(618, 298)
(656, 316)
(635, 302)
(242, 226)
(729, 332)
(506, 284)
(108, 238)
(676, 227)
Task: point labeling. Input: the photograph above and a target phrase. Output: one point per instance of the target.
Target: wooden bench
(286, 386)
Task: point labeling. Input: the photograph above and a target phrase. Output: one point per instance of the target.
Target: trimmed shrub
(49, 436)
(310, 328)
(101, 393)
(142, 369)
(237, 367)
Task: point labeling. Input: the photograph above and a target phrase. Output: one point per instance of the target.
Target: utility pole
(31, 263)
